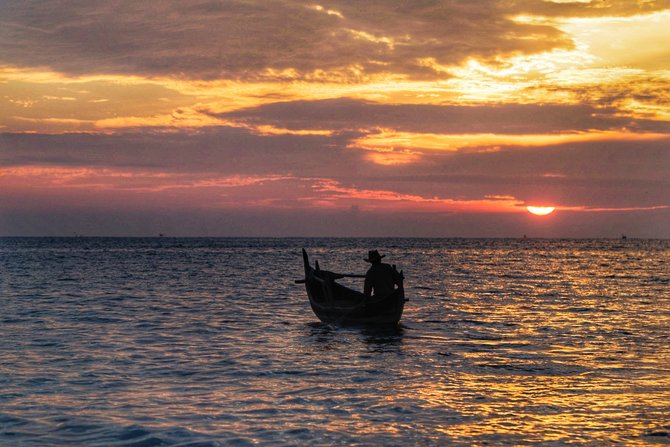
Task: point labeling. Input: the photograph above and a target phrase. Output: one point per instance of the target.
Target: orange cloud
(393, 158)
(589, 209)
(333, 192)
(388, 140)
(126, 180)
(265, 191)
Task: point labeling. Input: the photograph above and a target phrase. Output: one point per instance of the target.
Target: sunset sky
(335, 118)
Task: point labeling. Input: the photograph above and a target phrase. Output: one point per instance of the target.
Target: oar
(337, 275)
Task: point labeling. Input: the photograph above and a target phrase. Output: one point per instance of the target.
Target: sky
(335, 118)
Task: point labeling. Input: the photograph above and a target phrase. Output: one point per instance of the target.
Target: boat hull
(336, 304)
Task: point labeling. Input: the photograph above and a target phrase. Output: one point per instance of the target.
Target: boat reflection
(327, 337)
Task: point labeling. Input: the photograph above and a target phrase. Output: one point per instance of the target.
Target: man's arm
(367, 287)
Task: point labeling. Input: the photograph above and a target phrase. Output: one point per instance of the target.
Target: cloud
(592, 8)
(252, 39)
(287, 108)
(224, 150)
(601, 174)
(346, 114)
(595, 174)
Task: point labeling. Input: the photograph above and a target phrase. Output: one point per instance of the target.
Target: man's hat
(373, 255)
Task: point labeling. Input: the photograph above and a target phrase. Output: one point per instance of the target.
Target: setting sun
(541, 210)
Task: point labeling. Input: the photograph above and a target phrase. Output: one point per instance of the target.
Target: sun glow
(540, 210)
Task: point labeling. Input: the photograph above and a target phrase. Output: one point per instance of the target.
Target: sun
(541, 210)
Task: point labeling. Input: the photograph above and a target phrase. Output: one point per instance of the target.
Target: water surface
(208, 342)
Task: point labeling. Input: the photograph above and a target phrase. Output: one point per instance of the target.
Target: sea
(202, 342)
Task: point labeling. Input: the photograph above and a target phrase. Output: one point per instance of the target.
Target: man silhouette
(380, 278)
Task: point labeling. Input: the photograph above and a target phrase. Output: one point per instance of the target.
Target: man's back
(381, 278)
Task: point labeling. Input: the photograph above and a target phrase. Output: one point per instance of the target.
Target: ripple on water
(205, 342)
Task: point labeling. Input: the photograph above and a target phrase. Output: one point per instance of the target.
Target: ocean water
(208, 342)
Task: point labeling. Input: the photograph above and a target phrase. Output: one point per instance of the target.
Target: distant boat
(336, 304)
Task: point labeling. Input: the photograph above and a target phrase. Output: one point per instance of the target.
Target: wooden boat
(336, 304)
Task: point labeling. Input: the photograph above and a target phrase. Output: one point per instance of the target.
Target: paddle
(335, 276)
